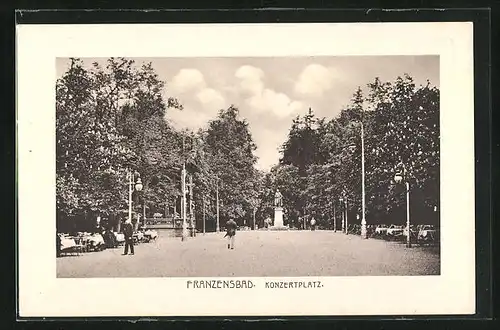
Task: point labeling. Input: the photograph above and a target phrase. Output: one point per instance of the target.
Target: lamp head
(138, 185)
(398, 178)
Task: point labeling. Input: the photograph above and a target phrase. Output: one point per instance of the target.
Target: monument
(278, 209)
(278, 212)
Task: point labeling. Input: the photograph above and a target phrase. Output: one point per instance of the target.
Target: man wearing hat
(128, 232)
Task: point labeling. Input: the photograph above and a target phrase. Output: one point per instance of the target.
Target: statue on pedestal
(278, 199)
(278, 210)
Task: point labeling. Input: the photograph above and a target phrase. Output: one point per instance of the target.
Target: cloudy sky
(270, 92)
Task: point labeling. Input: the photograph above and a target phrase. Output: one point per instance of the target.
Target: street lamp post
(138, 187)
(184, 206)
(204, 214)
(192, 219)
(254, 211)
(144, 213)
(334, 219)
(363, 219)
(343, 200)
(342, 213)
(363, 192)
(217, 206)
(346, 217)
(398, 178)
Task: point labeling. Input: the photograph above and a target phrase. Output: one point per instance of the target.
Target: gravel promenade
(257, 253)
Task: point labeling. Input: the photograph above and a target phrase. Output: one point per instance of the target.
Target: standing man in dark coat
(231, 227)
(58, 244)
(128, 232)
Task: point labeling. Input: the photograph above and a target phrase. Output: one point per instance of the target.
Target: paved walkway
(257, 253)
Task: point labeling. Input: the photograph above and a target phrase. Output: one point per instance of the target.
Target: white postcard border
(42, 294)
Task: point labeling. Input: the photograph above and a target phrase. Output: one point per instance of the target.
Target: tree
(300, 149)
(400, 123)
(109, 121)
(89, 154)
(406, 129)
(231, 149)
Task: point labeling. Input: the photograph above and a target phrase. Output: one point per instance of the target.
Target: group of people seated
(102, 238)
(79, 242)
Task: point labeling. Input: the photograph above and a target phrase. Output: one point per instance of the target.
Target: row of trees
(111, 120)
(321, 158)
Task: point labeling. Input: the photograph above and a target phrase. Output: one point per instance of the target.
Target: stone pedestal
(278, 220)
(278, 217)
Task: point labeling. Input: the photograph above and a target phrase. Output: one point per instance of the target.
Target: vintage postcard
(245, 169)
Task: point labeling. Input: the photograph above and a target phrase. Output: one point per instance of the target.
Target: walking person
(230, 233)
(313, 224)
(128, 232)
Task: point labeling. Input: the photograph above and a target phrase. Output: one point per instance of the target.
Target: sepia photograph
(292, 166)
(288, 169)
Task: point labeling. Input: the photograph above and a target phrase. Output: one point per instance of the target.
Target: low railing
(163, 221)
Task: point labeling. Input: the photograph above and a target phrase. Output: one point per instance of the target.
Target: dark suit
(58, 245)
(128, 232)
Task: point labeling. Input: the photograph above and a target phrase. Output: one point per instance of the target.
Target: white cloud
(250, 79)
(200, 102)
(314, 80)
(187, 80)
(211, 99)
(249, 72)
(261, 99)
(278, 103)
